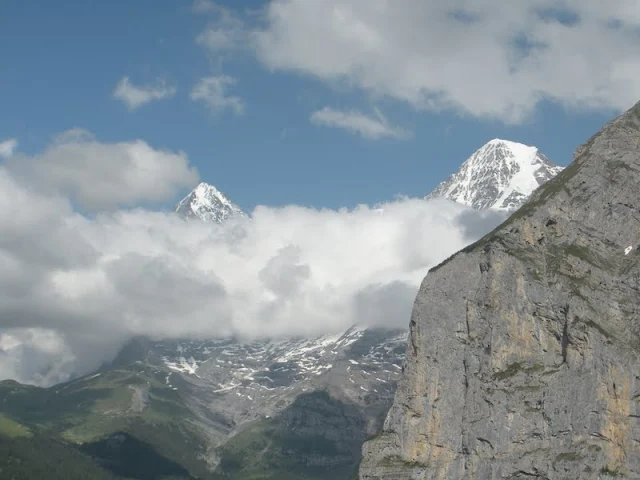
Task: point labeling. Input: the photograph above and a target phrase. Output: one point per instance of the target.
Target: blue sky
(63, 60)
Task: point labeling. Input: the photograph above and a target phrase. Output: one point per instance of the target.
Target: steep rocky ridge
(523, 354)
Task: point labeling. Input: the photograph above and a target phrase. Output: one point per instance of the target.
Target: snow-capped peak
(501, 175)
(207, 203)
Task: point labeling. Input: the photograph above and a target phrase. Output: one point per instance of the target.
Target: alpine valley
(295, 408)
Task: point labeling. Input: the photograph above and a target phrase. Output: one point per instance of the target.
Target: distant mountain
(285, 409)
(501, 175)
(221, 409)
(207, 203)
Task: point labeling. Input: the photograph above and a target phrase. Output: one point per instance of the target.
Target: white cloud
(74, 289)
(204, 6)
(212, 91)
(218, 37)
(358, 123)
(225, 31)
(488, 58)
(37, 355)
(104, 176)
(136, 96)
(8, 147)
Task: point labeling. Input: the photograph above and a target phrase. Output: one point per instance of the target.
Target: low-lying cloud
(75, 289)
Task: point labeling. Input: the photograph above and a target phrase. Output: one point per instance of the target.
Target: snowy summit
(208, 204)
(501, 175)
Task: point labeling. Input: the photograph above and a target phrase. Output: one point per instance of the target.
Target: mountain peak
(496, 141)
(500, 175)
(208, 204)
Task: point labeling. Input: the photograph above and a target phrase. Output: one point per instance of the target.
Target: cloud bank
(75, 288)
(488, 58)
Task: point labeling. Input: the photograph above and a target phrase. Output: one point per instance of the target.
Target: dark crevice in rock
(565, 340)
(484, 440)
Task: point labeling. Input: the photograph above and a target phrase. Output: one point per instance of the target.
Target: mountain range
(271, 408)
(500, 175)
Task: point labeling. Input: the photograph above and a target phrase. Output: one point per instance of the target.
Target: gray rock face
(523, 359)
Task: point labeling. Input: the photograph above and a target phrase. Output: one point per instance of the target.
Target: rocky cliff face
(523, 359)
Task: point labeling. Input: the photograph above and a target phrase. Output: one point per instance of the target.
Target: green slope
(39, 456)
(126, 420)
(92, 410)
(316, 438)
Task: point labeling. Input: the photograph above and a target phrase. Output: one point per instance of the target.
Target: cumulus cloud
(488, 58)
(74, 288)
(101, 176)
(353, 121)
(135, 96)
(212, 91)
(8, 147)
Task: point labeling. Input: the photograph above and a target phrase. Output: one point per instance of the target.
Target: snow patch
(182, 365)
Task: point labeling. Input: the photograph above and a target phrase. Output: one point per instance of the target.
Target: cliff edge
(523, 359)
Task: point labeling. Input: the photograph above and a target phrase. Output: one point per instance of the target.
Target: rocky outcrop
(523, 359)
